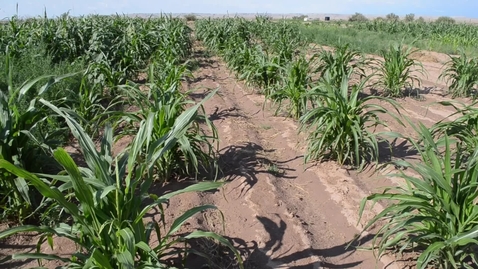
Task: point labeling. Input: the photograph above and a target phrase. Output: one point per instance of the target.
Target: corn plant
(396, 70)
(91, 105)
(194, 151)
(20, 143)
(339, 63)
(294, 88)
(436, 211)
(111, 199)
(461, 73)
(263, 72)
(341, 127)
(464, 128)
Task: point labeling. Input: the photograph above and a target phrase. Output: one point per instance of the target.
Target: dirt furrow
(284, 213)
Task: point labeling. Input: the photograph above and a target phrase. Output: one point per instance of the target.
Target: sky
(463, 8)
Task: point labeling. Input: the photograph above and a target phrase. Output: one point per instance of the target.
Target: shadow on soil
(220, 257)
(395, 149)
(415, 93)
(245, 160)
(248, 160)
(15, 249)
(225, 113)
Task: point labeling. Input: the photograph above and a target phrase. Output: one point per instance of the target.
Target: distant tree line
(359, 17)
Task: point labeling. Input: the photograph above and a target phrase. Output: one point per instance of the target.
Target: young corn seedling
(461, 73)
(396, 71)
(435, 212)
(342, 125)
(92, 106)
(111, 200)
(294, 88)
(20, 143)
(464, 128)
(340, 63)
(195, 150)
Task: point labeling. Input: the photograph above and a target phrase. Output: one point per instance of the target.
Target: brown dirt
(279, 212)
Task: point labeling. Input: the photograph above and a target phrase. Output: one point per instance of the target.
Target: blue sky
(466, 8)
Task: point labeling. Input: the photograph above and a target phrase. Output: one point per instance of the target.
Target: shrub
(445, 19)
(421, 20)
(358, 17)
(410, 17)
(190, 17)
(392, 17)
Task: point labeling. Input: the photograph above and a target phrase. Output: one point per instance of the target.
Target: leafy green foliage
(20, 143)
(341, 127)
(295, 87)
(392, 17)
(436, 211)
(195, 149)
(112, 50)
(409, 17)
(461, 73)
(259, 52)
(108, 226)
(445, 20)
(358, 17)
(340, 63)
(116, 47)
(396, 70)
(92, 106)
(464, 128)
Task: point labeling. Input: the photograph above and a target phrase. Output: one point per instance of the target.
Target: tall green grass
(369, 41)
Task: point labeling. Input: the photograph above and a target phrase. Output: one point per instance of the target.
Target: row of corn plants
(117, 47)
(435, 213)
(107, 51)
(100, 199)
(264, 54)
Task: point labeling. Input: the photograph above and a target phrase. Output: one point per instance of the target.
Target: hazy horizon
(428, 8)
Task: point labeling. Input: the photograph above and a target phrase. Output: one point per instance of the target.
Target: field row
(124, 83)
(340, 124)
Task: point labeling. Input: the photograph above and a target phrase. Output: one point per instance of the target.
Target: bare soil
(278, 211)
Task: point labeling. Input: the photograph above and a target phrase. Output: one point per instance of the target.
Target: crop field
(444, 35)
(233, 143)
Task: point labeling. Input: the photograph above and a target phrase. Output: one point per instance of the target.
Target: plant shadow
(395, 149)
(24, 248)
(236, 161)
(216, 256)
(248, 160)
(414, 93)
